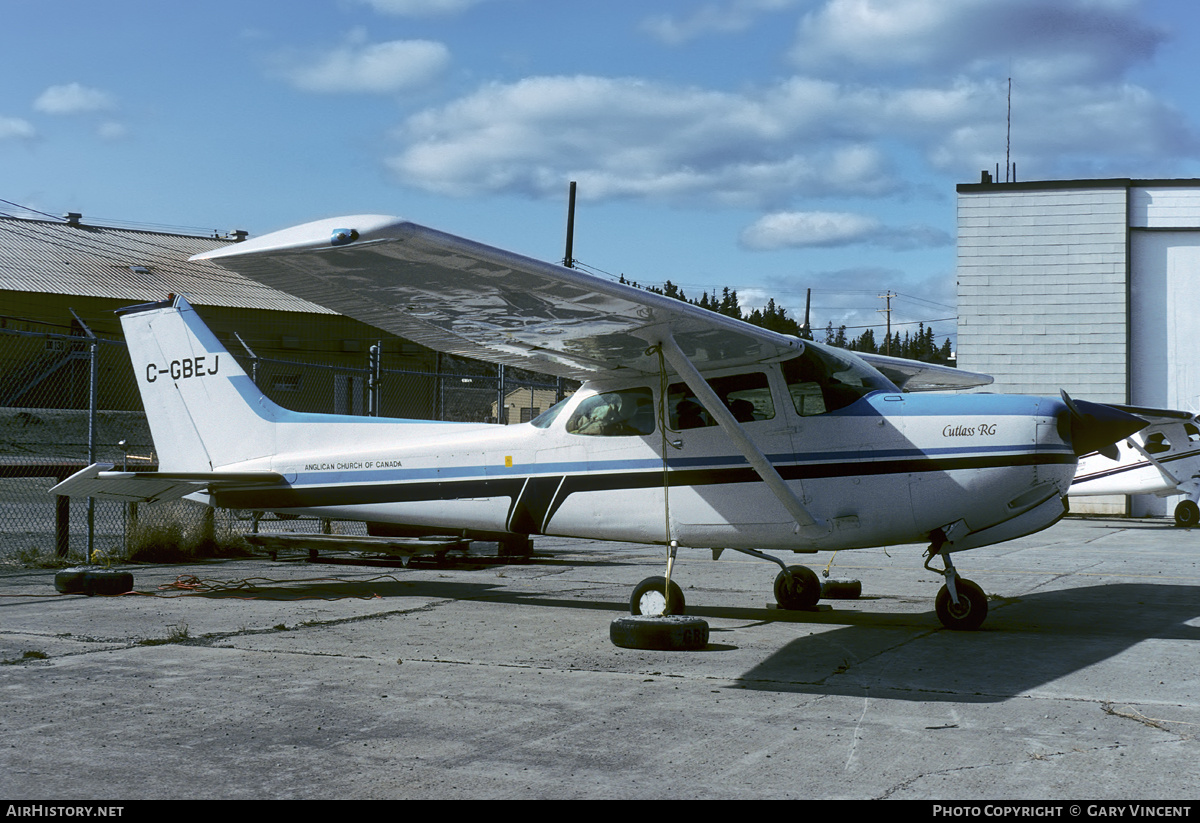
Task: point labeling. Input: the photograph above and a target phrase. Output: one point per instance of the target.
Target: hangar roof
(74, 258)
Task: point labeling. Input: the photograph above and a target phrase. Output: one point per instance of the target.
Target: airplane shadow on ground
(1026, 642)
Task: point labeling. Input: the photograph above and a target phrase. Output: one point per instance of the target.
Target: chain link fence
(67, 401)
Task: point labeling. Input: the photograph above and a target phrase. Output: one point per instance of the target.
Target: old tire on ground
(836, 588)
(90, 581)
(1187, 515)
(670, 632)
(801, 592)
(649, 598)
(109, 581)
(971, 610)
(71, 581)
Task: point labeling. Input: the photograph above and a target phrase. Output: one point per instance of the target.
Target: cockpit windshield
(821, 381)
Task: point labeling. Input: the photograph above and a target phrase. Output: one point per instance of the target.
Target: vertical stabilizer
(203, 409)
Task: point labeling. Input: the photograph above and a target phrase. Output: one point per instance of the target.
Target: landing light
(341, 237)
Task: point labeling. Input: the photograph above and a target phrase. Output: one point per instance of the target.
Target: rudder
(204, 411)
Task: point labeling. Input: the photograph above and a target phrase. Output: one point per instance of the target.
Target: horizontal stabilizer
(99, 481)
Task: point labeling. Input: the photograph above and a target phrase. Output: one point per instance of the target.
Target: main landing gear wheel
(1187, 515)
(649, 598)
(801, 592)
(969, 613)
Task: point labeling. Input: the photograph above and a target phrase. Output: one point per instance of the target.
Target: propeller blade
(1097, 427)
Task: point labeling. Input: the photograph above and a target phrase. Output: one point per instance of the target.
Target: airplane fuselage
(889, 468)
(1165, 461)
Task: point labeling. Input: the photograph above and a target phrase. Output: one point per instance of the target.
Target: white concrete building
(1092, 286)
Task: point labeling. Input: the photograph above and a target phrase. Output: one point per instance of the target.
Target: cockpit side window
(615, 413)
(821, 381)
(543, 420)
(748, 396)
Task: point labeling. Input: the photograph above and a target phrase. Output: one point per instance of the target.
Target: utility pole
(888, 313)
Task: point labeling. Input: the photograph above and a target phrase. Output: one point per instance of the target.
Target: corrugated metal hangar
(1092, 286)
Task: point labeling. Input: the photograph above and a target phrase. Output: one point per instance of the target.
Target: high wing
(99, 481)
(912, 375)
(1158, 416)
(465, 298)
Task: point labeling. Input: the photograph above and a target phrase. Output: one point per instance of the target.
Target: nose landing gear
(960, 604)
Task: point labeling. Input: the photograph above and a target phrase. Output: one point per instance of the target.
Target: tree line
(919, 346)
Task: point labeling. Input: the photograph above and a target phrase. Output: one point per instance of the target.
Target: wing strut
(729, 424)
(1167, 475)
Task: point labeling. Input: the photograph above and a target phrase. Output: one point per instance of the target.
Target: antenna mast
(568, 260)
(1008, 136)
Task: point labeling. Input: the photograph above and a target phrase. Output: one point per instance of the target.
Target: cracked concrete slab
(297, 680)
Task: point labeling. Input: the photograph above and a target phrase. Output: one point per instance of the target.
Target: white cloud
(73, 98)
(726, 17)
(765, 148)
(810, 228)
(372, 68)
(112, 130)
(831, 229)
(1059, 41)
(421, 8)
(885, 85)
(631, 138)
(14, 128)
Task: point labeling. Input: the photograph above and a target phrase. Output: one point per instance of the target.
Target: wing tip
(331, 231)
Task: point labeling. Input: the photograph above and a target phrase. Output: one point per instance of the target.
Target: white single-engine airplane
(1162, 459)
(691, 429)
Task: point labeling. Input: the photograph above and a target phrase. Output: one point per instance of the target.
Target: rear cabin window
(821, 381)
(747, 396)
(614, 414)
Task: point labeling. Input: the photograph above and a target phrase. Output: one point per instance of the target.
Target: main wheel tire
(802, 591)
(1187, 515)
(650, 598)
(970, 611)
(666, 633)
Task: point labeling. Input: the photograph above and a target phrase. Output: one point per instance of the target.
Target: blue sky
(766, 145)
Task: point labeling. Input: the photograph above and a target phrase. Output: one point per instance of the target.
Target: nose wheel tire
(1187, 515)
(802, 591)
(649, 598)
(970, 611)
